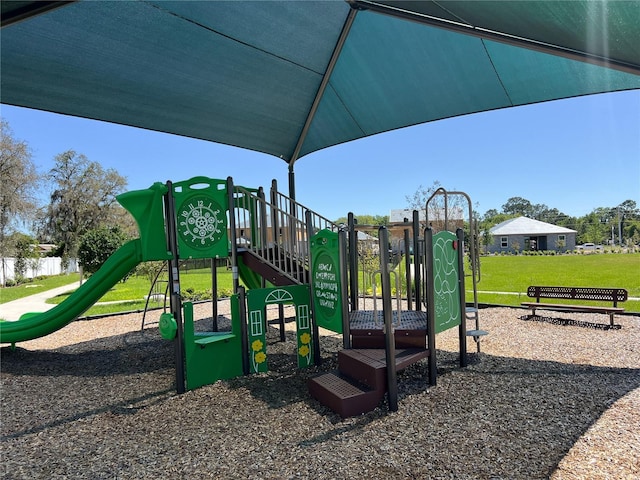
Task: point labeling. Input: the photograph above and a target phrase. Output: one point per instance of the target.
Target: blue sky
(574, 155)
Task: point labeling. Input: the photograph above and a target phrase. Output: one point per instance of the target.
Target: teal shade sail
(288, 78)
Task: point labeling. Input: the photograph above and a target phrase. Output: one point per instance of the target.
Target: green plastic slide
(34, 325)
(250, 278)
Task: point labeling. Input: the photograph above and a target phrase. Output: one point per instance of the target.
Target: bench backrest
(579, 293)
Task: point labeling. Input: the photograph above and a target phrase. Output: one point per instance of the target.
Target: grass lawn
(36, 286)
(513, 274)
(131, 295)
(509, 275)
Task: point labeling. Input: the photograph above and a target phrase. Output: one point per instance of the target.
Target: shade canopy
(291, 77)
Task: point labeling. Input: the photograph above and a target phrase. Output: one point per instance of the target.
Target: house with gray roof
(522, 233)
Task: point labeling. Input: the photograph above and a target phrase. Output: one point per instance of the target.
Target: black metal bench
(595, 294)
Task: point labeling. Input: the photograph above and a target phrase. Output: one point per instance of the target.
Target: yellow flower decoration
(260, 357)
(256, 346)
(303, 351)
(305, 338)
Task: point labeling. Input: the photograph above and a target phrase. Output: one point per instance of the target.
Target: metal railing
(276, 230)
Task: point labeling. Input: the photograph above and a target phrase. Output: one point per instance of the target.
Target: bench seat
(212, 337)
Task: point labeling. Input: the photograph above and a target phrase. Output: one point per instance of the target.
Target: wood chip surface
(544, 399)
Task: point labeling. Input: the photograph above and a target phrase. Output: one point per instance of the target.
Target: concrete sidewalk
(33, 303)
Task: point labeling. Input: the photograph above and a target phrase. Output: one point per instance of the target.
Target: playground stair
(374, 338)
(271, 269)
(360, 381)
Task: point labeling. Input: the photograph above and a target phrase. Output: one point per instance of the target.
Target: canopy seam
(495, 70)
(205, 27)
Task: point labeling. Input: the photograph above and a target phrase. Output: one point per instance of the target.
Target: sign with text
(325, 280)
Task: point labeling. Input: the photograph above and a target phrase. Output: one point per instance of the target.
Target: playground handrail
(278, 229)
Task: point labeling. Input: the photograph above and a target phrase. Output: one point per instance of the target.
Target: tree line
(615, 225)
(73, 201)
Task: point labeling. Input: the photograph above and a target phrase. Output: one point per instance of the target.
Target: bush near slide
(508, 275)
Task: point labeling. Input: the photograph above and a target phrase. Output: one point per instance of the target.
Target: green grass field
(131, 295)
(36, 286)
(513, 274)
(508, 275)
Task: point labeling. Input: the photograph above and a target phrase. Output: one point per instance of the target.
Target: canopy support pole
(323, 86)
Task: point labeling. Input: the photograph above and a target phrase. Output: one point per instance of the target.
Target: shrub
(97, 245)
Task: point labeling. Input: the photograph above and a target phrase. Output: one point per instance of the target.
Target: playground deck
(368, 319)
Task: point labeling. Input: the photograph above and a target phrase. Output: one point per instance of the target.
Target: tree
(518, 206)
(97, 245)
(628, 216)
(25, 254)
(19, 182)
(593, 227)
(83, 198)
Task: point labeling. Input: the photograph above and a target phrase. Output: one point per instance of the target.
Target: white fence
(35, 267)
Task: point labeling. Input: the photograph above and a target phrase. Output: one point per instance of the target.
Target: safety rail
(364, 254)
(298, 211)
(276, 230)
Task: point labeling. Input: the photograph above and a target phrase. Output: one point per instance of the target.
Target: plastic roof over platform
(291, 77)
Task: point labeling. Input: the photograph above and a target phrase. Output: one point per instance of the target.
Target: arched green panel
(257, 300)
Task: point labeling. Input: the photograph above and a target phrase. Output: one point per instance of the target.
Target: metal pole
(390, 343)
(344, 290)
(353, 261)
(174, 282)
(407, 269)
(244, 334)
(416, 260)
(214, 293)
(431, 311)
(233, 234)
(261, 211)
(462, 329)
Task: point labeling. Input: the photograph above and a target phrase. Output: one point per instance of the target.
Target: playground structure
(282, 253)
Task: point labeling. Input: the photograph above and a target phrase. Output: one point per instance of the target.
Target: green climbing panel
(445, 279)
(257, 300)
(201, 211)
(325, 272)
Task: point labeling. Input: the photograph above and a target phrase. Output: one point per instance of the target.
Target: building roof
(527, 226)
